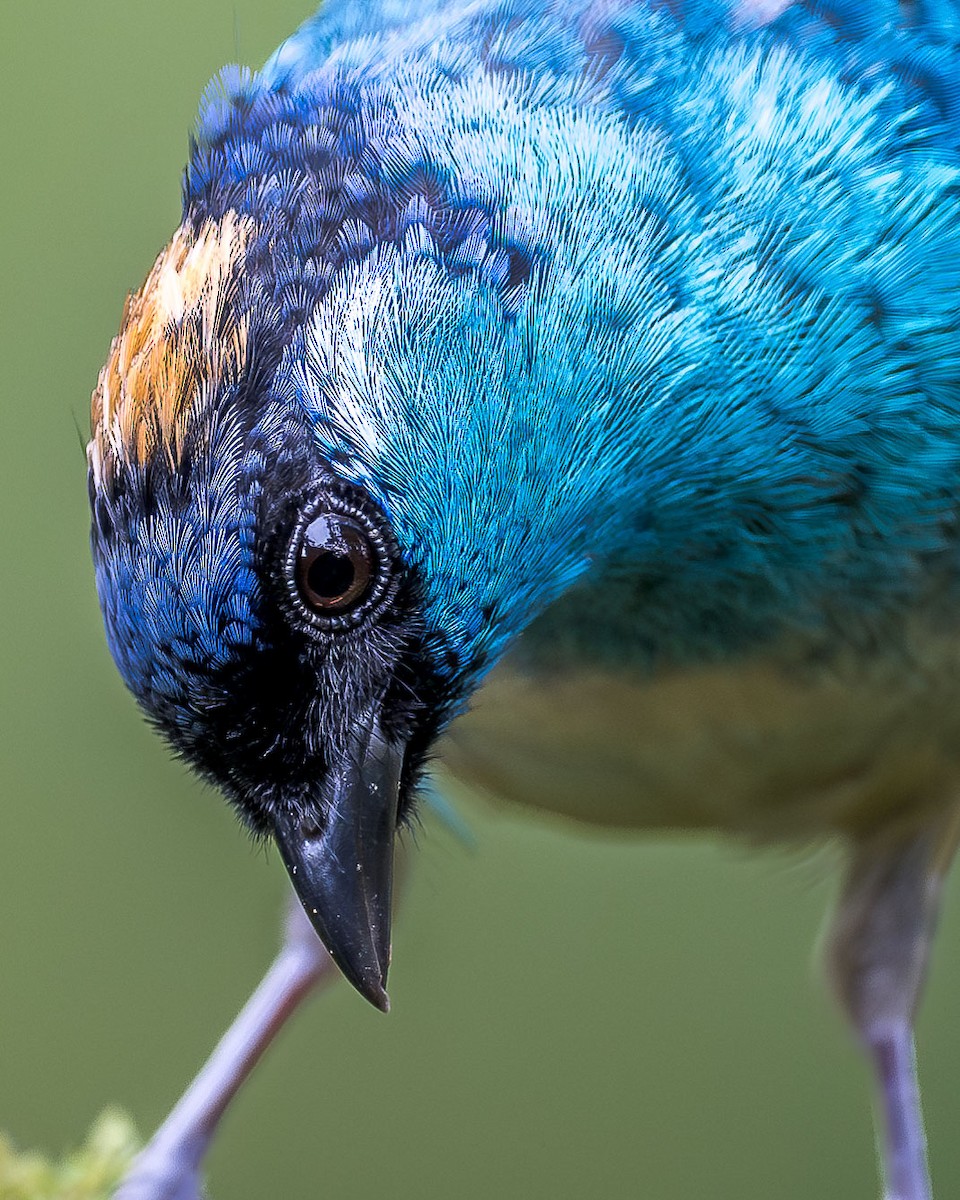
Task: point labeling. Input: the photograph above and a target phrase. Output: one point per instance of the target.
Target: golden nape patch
(181, 340)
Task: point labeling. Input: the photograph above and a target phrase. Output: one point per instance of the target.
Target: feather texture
(603, 353)
(641, 317)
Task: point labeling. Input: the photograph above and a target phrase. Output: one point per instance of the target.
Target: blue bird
(574, 389)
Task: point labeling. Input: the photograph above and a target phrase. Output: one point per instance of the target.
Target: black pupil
(331, 574)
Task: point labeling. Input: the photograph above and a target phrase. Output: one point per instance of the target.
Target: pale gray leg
(877, 955)
(168, 1168)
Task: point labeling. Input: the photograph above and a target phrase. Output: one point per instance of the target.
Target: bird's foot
(904, 1146)
(169, 1167)
(878, 951)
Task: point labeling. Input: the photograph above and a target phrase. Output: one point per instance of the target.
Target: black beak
(341, 865)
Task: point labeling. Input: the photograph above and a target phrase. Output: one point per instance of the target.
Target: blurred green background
(573, 1016)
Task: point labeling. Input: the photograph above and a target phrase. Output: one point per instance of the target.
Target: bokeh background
(573, 1016)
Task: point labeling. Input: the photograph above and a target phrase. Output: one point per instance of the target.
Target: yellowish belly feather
(765, 747)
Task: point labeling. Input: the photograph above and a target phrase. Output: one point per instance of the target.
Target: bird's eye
(337, 564)
(340, 562)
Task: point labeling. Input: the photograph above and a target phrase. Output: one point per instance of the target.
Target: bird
(569, 391)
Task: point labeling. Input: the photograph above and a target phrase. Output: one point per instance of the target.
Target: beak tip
(370, 984)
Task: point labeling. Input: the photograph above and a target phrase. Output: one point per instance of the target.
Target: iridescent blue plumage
(743, 241)
(618, 345)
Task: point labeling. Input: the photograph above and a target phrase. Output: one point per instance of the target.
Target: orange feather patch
(180, 342)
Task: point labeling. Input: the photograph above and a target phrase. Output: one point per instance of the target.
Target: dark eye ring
(338, 564)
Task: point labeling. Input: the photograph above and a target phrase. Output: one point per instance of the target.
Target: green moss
(90, 1173)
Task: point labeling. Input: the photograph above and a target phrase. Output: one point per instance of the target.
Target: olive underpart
(335, 564)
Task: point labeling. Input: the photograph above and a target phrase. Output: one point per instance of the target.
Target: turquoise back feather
(641, 322)
(723, 398)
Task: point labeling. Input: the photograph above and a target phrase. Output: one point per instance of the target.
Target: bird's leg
(168, 1168)
(878, 950)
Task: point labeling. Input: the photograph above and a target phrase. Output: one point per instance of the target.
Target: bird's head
(304, 503)
(256, 601)
(257, 598)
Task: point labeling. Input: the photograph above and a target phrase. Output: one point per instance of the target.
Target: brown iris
(336, 564)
